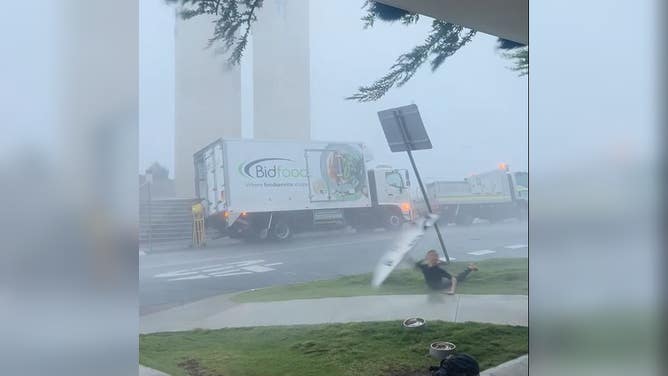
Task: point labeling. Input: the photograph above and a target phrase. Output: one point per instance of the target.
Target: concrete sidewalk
(145, 371)
(515, 367)
(220, 312)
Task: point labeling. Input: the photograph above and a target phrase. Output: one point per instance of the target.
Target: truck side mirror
(408, 180)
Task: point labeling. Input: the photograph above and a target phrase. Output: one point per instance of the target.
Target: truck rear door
(211, 178)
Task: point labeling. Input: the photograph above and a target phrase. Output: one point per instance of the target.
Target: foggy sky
(474, 107)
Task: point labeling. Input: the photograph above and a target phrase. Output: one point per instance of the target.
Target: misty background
(474, 107)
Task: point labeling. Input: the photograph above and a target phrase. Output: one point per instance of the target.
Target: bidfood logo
(271, 168)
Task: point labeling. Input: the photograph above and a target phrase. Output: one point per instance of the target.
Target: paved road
(169, 279)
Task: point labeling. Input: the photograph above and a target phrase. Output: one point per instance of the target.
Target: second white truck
(256, 189)
(494, 196)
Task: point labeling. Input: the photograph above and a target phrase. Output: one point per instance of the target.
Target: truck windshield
(393, 179)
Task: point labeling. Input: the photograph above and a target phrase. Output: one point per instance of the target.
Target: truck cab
(390, 191)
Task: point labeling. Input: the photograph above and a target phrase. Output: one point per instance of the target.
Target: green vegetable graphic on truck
(344, 172)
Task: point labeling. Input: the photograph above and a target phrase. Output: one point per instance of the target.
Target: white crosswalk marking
(178, 273)
(516, 246)
(199, 276)
(245, 263)
(481, 252)
(229, 274)
(207, 267)
(219, 270)
(257, 268)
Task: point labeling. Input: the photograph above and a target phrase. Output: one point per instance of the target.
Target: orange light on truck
(503, 166)
(243, 213)
(226, 214)
(406, 207)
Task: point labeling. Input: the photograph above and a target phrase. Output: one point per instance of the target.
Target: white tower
(281, 82)
(207, 101)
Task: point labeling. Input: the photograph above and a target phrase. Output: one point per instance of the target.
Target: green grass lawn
(368, 349)
(496, 276)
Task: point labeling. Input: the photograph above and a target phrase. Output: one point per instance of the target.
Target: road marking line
(245, 263)
(199, 276)
(257, 268)
(206, 267)
(219, 270)
(177, 273)
(222, 268)
(481, 252)
(516, 246)
(230, 274)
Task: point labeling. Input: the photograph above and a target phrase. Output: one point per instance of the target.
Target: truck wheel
(281, 230)
(393, 221)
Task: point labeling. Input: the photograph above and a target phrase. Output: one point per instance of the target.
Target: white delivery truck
(494, 195)
(258, 189)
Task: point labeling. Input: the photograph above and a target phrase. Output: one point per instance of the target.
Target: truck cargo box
(241, 176)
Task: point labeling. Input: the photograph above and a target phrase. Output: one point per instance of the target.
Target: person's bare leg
(453, 286)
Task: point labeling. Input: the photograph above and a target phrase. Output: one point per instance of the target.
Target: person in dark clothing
(457, 365)
(438, 278)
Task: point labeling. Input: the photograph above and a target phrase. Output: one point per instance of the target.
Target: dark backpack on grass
(457, 365)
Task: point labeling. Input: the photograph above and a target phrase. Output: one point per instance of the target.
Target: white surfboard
(405, 244)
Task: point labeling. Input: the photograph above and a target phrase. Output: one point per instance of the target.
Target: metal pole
(404, 134)
(150, 225)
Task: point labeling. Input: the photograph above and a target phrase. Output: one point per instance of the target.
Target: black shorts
(444, 285)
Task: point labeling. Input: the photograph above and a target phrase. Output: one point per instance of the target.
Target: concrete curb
(515, 367)
(145, 371)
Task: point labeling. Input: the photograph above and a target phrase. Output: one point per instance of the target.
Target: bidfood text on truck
(495, 195)
(258, 189)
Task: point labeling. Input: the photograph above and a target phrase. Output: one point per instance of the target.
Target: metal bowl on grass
(413, 323)
(441, 350)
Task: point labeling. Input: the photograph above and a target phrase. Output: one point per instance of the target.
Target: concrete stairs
(171, 220)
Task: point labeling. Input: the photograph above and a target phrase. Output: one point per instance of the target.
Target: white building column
(281, 74)
(207, 101)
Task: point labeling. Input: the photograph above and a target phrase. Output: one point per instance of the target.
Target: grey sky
(28, 74)
(475, 109)
(156, 84)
